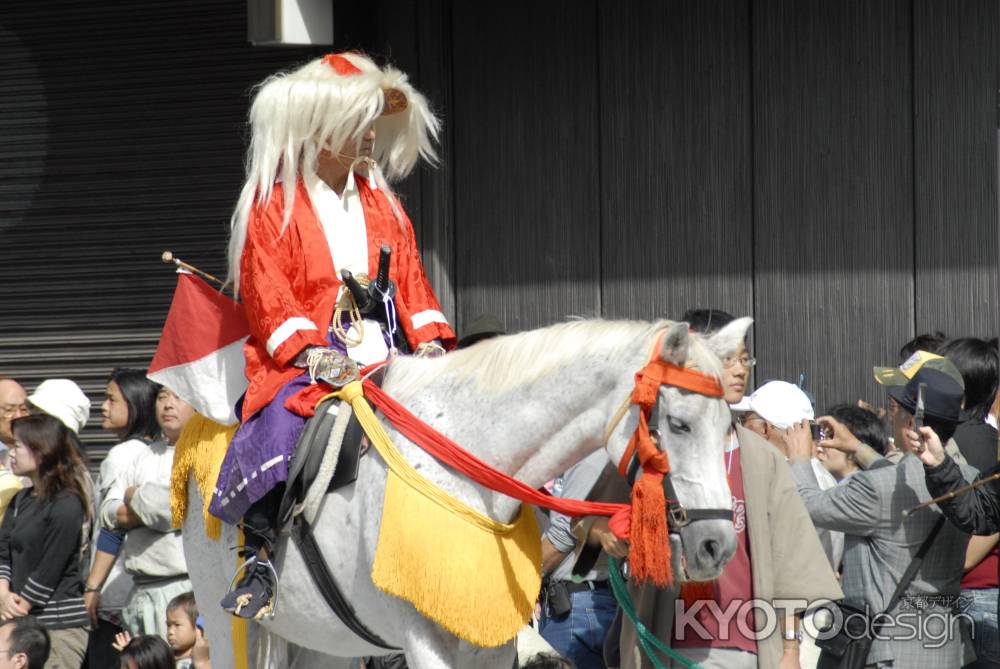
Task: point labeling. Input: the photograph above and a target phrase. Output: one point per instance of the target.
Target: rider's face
(351, 149)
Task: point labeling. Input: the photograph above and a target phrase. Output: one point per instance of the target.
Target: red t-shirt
(983, 575)
(721, 618)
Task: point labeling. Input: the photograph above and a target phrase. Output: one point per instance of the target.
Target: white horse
(530, 405)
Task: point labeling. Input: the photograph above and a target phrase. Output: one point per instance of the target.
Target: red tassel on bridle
(649, 538)
(647, 528)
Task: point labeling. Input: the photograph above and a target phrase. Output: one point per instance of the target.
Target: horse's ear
(728, 339)
(674, 344)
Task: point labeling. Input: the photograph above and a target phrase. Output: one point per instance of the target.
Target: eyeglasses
(747, 362)
(12, 410)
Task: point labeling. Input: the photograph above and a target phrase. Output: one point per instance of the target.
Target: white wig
(323, 105)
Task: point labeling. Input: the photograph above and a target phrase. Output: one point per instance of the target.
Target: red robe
(289, 286)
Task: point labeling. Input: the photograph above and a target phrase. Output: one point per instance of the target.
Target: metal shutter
(121, 135)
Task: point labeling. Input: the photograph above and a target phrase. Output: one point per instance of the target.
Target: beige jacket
(786, 558)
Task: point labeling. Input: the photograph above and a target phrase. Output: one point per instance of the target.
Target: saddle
(305, 461)
(302, 473)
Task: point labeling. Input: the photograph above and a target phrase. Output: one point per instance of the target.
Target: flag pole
(168, 257)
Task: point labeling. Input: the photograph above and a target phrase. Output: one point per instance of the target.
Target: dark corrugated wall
(826, 166)
(121, 135)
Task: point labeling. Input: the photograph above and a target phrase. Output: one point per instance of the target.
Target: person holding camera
(882, 542)
(770, 411)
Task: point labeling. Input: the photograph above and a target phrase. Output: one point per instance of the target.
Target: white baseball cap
(781, 404)
(62, 399)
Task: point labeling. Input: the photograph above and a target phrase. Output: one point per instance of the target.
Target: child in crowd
(185, 640)
(182, 633)
(146, 651)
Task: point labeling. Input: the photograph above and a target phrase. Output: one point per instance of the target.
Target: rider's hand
(430, 349)
(302, 359)
(926, 445)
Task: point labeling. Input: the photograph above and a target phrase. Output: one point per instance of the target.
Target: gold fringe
(478, 585)
(476, 577)
(200, 449)
(241, 648)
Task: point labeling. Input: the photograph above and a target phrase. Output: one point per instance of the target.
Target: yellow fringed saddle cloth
(476, 577)
(200, 449)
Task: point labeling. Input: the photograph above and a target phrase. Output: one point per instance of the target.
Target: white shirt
(153, 551)
(114, 593)
(343, 221)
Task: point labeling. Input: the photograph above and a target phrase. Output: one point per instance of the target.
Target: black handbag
(849, 647)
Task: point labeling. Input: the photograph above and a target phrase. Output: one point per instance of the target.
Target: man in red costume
(316, 203)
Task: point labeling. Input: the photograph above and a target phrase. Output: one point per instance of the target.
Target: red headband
(341, 65)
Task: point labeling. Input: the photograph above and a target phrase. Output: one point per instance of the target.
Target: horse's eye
(677, 426)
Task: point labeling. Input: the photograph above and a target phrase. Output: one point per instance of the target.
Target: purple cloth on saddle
(257, 459)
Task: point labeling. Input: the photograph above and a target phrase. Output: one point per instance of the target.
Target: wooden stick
(952, 494)
(168, 257)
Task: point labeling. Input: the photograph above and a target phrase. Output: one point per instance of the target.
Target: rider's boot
(252, 596)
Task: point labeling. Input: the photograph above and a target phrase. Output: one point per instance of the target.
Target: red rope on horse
(644, 523)
(453, 455)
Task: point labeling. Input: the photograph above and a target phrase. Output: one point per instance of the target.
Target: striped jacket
(40, 556)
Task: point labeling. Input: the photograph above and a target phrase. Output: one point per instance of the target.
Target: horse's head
(691, 427)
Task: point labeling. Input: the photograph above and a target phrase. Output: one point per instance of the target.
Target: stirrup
(267, 611)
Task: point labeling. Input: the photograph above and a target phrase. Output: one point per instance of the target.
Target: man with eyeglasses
(779, 557)
(24, 644)
(13, 404)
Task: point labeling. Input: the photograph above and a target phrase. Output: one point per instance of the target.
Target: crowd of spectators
(827, 507)
(92, 572)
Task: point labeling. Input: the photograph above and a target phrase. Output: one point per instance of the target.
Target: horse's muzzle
(706, 546)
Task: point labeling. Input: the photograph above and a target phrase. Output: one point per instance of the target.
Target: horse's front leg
(430, 647)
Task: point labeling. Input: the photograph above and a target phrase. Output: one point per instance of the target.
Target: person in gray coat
(881, 540)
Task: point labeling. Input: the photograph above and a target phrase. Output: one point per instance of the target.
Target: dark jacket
(977, 441)
(40, 556)
(976, 511)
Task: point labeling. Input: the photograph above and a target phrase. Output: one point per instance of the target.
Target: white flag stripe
(211, 384)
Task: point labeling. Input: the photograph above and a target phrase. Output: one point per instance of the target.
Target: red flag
(200, 354)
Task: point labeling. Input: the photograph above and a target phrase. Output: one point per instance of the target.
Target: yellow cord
(353, 393)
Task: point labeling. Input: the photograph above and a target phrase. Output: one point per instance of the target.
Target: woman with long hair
(41, 538)
(129, 411)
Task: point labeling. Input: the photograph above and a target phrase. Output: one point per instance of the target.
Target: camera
(818, 431)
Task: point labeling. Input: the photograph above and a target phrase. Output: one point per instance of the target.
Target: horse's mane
(502, 363)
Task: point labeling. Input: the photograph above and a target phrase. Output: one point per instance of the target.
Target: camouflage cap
(900, 376)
